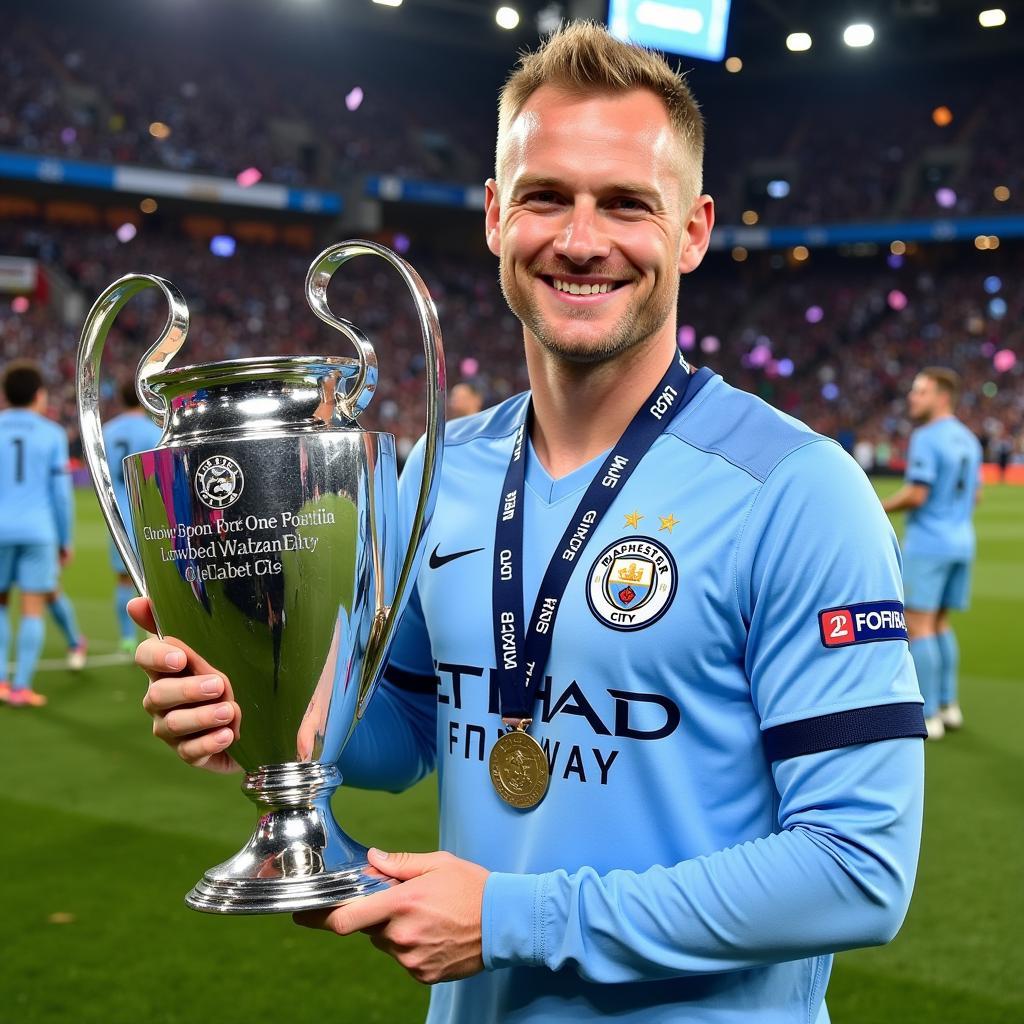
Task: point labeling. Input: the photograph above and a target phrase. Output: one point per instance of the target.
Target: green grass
(102, 823)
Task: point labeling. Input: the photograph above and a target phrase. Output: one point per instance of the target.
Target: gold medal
(519, 768)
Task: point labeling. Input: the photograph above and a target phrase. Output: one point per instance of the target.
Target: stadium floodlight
(858, 35)
(798, 41)
(992, 18)
(778, 188)
(506, 17)
(388, 3)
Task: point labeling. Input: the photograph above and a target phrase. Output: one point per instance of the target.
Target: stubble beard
(924, 417)
(639, 321)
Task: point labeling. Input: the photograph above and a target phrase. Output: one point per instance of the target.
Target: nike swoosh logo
(436, 560)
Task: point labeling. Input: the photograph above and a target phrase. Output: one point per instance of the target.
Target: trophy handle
(94, 335)
(352, 402)
(358, 397)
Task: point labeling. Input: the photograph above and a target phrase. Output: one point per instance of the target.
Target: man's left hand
(430, 923)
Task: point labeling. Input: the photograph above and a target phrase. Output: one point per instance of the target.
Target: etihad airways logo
(608, 712)
(612, 716)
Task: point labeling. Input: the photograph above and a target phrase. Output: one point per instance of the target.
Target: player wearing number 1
(130, 432)
(939, 495)
(35, 522)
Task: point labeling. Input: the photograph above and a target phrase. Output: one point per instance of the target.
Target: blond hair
(583, 57)
(946, 380)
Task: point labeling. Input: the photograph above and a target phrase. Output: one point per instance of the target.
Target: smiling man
(693, 771)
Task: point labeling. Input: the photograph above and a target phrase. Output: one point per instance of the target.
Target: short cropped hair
(583, 57)
(22, 382)
(946, 380)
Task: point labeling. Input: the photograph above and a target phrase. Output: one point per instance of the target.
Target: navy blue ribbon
(521, 658)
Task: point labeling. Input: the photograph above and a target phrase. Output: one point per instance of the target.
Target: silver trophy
(268, 540)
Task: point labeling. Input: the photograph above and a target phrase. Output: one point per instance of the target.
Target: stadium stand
(834, 340)
(859, 152)
(836, 346)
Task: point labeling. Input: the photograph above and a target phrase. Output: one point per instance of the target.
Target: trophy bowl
(267, 537)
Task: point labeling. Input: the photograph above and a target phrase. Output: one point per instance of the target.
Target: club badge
(631, 583)
(219, 482)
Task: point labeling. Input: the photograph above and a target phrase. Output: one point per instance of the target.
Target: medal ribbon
(521, 651)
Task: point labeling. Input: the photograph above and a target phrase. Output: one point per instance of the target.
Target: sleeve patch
(863, 623)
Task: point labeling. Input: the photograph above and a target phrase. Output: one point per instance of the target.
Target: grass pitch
(106, 831)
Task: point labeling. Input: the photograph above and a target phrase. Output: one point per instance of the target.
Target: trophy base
(277, 896)
(298, 858)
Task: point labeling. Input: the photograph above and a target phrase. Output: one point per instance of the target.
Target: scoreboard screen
(691, 28)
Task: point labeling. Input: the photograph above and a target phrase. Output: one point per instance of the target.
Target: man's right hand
(190, 702)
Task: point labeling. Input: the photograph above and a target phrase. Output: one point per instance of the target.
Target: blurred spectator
(464, 400)
(89, 91)
(835, 345)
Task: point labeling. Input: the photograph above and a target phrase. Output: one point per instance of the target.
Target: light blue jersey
(125, 435)
(35, 485)
(727, 713)
(946, 457)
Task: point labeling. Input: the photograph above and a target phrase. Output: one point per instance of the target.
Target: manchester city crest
(632, 583)
(219, 482)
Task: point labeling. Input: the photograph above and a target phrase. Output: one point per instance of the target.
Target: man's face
(589, 221)
(923, 399)
(463, 401)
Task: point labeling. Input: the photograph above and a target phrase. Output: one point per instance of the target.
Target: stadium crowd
(836, 345)
(871, 151)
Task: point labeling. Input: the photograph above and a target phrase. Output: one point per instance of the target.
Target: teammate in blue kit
(939, 495)
(35, 523)
(62, 611)
(130, 432)
(694, 771)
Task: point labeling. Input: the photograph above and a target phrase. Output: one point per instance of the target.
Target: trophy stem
(298, 858)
